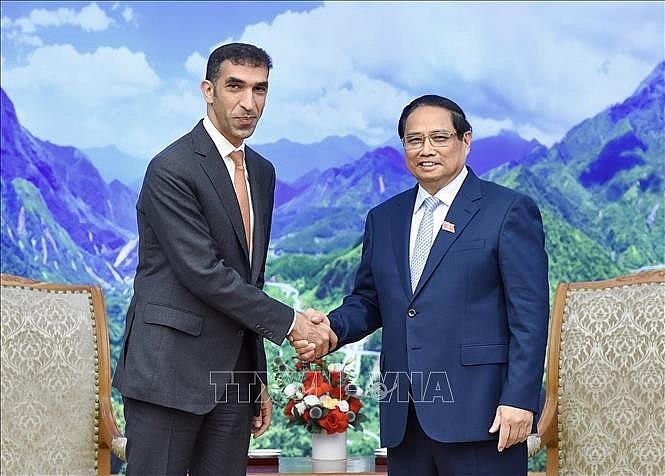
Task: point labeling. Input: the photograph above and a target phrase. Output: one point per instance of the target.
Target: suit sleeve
(523, 266)
(359, 315)
(172, 209)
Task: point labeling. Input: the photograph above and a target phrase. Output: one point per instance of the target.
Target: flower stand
(328, 446)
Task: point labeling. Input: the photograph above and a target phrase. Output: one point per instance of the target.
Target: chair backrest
(606, 367)
(55, 378)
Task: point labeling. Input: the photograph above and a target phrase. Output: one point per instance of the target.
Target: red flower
(305, 415)
(288, 409)
(355, 405)
(334, 422)
(338, 393)
(337, 378)
(315, 384)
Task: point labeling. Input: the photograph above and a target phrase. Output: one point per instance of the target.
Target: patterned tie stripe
(423, 240)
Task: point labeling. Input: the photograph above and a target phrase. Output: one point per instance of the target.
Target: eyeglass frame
(450, 135)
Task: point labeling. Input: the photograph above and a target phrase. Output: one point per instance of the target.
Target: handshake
(311, 336)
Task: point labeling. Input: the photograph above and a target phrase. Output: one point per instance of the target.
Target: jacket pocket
(479, 354)
(469, 245)
(175, 318)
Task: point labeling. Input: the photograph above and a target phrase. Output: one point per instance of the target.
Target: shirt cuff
(293, 324)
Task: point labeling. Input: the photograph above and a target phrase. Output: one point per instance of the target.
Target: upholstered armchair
(56, 407)
(605, 400)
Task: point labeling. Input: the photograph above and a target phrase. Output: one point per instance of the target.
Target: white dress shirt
(224, 147)
(446, 196)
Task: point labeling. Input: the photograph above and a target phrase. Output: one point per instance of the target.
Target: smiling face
(236, 99)
(434, 167)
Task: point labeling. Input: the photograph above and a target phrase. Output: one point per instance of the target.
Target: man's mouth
(246, 119)
(427, 164)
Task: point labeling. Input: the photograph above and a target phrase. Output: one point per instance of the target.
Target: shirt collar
(224, 147)
(447, 194)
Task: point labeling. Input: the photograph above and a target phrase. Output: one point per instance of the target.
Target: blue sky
(127, 73)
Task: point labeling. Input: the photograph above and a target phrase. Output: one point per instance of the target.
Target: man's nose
(247, 100)
(427, 148)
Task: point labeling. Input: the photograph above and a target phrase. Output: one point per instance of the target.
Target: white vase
(328, 446)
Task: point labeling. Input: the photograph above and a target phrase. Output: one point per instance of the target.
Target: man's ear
(208, 90)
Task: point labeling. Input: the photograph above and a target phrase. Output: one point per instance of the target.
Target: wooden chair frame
(107, 431)
(548, 424)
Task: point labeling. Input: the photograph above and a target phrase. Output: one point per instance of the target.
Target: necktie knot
(431, 203)
(236, 156)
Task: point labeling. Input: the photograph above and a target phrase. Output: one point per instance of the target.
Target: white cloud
(90, 78)
(89, 18)
(128, 14)
(350, 67)
(196, 65)
(5, 22)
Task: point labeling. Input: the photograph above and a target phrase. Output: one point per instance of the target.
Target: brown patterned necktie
(241, 192)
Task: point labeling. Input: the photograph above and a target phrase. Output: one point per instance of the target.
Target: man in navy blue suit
(455, 272)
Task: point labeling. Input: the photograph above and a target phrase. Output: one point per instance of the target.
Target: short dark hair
(460, 123)
(236, 53)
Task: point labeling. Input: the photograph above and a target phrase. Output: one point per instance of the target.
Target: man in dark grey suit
(192, 371)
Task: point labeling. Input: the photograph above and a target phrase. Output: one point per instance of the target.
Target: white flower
(290, 390)
(343, 406)
(311, 400)
(300, 407)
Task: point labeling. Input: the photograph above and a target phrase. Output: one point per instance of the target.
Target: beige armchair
(604, 412)
(55, 382)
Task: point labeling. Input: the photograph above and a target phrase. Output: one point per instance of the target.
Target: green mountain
(600, 191)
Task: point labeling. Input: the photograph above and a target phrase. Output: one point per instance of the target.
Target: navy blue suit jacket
(473, 334)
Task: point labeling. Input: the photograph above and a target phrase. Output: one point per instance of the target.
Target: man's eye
(414, 140)
(440, 137)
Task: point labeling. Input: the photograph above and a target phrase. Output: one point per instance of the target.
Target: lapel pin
(449, 227)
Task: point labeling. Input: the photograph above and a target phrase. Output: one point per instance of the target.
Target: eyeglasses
(436, 139)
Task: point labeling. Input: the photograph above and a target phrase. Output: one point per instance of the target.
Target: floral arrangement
(319, 396)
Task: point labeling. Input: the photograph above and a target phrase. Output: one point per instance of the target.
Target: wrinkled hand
(318, 317)
(261, 423)
(513, 424)
(311, 336)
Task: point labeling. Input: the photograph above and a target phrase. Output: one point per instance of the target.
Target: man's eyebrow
(262, 84)
(231, 79)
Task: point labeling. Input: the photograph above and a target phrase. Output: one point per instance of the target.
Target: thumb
(497, 421)
(315, 316)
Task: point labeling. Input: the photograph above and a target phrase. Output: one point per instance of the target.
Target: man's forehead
(431, 115)
(245, 71)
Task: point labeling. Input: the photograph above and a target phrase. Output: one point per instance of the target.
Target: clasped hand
(311, 336)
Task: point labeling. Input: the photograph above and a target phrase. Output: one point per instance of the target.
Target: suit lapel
(401, 233)
(214, 167)
(462, 210)
(260, 208)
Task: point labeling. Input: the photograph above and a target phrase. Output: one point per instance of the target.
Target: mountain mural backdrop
(69, 215)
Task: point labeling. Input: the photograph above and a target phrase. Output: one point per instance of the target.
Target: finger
(301, 344)
(263, 428)
(504, 436)
(308, 356)
(333, 340)
(315, 316)
(496, 422)
(256, 423)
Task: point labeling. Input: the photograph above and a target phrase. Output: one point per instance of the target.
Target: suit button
(241, 332)
(411, 313)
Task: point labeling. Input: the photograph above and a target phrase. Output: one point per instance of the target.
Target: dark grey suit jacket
(195, 295)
